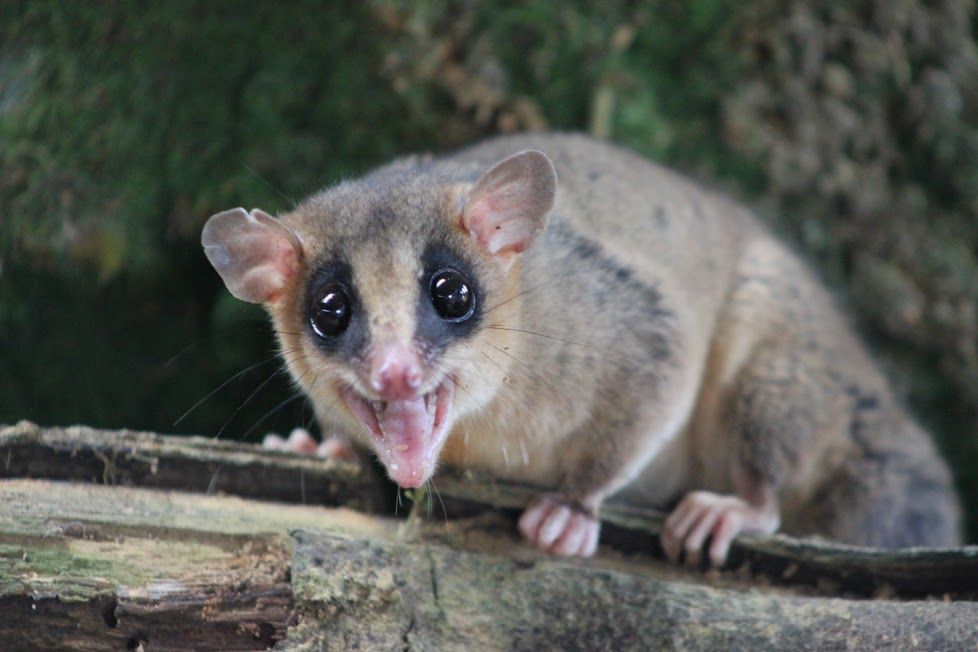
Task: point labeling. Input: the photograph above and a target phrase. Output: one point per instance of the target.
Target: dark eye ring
(451, 295)
(331, 311)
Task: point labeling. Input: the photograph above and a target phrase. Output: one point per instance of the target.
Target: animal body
(558, 311)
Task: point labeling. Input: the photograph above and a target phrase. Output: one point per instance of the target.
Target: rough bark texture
(199, 464)
(86, 566)
(107, 568)
(383, 595)
(203, 465)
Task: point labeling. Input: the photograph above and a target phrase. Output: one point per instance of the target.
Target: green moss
(80, 569)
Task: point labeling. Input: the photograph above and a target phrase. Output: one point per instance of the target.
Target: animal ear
(255, 254)
(508, 206)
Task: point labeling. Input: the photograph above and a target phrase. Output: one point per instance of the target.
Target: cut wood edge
(95, 567)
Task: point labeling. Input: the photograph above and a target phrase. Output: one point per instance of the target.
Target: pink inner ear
(508, 206)
(498, 227)
(254, 253)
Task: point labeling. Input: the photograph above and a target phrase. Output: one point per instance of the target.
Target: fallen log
(205, 465)
(94, 567)
(394, 595)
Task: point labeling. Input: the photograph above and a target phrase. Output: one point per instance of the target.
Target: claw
(702, 515)
(336, 448)
(560, 528)
(300, 441)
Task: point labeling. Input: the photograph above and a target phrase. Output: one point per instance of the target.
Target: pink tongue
(407, 428)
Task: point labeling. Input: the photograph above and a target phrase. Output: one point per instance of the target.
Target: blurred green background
(851, 127)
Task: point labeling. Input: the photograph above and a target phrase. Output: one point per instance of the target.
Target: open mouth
(407, 435)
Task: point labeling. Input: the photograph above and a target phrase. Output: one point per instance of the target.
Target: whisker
(251, 396)
(271, 412)
(438, 494)
(535, 374)
(247, 400)
(494, 363)
(268, 183)
(222, 386)
(621, 357)
(186, 350)
(465, 389)
(544, 335)
(520, 294)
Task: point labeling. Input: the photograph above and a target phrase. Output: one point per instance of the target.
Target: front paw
(300, 441)
(701, 514)
(556, 525)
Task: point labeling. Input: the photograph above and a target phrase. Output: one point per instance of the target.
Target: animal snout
(396, 373)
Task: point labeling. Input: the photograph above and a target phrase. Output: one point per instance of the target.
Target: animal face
(380, 291)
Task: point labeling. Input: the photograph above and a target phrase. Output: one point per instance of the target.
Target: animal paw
(300, 441)
(555, 525)
(336, 448)
(702, 514)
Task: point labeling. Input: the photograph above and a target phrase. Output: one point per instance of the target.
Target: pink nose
(396, 373)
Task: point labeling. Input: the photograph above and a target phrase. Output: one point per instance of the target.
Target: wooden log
(209, 466)
(834, 568)
(88, 567)
(200, 464)
(354, 594)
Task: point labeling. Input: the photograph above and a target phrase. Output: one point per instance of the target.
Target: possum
(554, 310)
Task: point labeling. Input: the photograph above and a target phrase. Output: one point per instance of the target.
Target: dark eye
(451, 295)
(331, 312)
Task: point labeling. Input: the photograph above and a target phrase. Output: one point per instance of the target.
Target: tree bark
(91, 564)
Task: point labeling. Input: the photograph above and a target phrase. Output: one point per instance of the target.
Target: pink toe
(336, 448)
(273, 442)
(532, 517)
(590, 543)
(300, 441)
(727, 528)
(553, 526)
(570, 541)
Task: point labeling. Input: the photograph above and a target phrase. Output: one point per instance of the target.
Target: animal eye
(331, 312)
(451, 295)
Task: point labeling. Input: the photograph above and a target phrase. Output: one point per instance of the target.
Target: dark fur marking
(432, 332)
(863, 405)
(352, 342)
(589, 255)
(382, 215)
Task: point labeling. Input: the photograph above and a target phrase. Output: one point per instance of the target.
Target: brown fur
(654, 340)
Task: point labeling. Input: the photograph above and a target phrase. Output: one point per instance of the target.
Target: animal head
(383, 291)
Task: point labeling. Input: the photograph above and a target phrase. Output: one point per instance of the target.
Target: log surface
(199, 464)
(387, 595)
(87, 563)
(204, 465)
